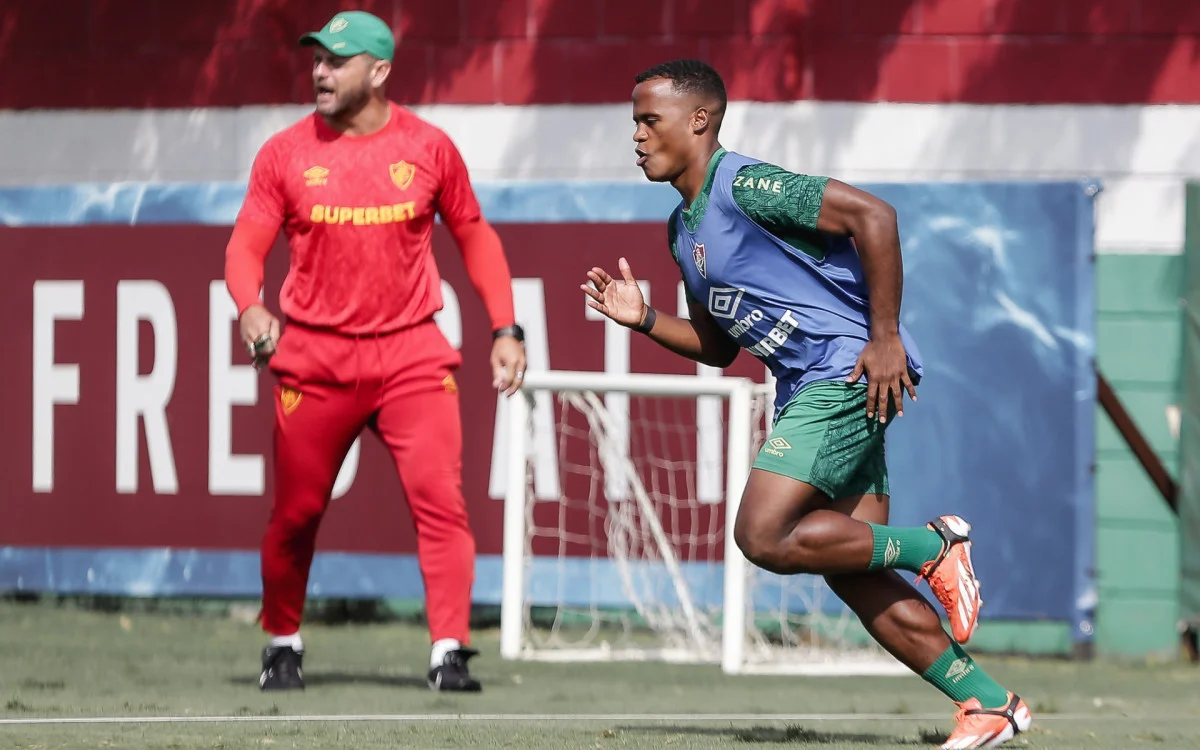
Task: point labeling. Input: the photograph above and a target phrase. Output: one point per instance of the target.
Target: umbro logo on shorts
(776, 446)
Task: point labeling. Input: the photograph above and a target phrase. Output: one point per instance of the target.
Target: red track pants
(401, 386)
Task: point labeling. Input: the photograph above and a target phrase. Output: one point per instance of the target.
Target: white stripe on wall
(1142, 154)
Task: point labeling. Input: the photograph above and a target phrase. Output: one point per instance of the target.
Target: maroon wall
(150, 53)
(84, 508)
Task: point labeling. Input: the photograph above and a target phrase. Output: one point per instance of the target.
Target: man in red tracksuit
(356, 187)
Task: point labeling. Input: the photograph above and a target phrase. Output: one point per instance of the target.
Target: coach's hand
(621, 301)
(886, 365)
(508, 364)
(260, 333)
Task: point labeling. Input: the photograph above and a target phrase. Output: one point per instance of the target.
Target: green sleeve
(783, 202)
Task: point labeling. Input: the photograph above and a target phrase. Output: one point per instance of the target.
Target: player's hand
(886, 366)
(260, 333)
(620, 300)
(508, 364)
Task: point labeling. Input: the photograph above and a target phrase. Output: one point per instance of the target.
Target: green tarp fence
(1189, 438)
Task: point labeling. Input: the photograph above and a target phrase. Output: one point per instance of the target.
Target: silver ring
(520, 373)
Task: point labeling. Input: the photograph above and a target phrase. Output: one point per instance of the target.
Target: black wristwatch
(514, 330)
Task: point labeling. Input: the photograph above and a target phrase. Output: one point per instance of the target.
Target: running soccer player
(805, 273)
(355, 188)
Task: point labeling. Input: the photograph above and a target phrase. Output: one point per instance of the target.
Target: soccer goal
(621, 492)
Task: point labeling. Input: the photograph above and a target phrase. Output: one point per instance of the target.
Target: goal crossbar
(636, 384)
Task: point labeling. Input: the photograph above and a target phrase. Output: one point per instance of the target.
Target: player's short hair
(689, 76)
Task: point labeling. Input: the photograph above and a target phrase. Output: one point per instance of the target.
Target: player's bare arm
(699, 338)
(872, 223)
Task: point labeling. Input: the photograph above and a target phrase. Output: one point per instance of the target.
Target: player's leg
(315, 425)
(779, 528)
(821, 446)
(901, 620)
(420, 423)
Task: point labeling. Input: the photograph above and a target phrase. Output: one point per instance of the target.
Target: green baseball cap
(354, 32)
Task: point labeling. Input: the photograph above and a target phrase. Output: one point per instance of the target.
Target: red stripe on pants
(330, 388)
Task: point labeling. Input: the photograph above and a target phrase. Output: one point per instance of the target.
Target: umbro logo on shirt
(723, 302)
(314, 176)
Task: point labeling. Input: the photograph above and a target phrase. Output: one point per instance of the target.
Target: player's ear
(701, 120)
(379, 73)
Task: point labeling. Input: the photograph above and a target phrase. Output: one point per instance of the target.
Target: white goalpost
(620, 497)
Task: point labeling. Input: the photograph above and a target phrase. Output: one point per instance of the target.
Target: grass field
(187, 681)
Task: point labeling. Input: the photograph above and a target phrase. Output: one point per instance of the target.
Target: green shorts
(823, 437)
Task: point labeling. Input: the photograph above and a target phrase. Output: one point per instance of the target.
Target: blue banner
(999, 294)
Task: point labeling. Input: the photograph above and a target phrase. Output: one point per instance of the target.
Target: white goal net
(620, 497)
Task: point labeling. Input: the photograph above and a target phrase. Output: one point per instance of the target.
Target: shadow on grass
(333, 679)
(794, 735)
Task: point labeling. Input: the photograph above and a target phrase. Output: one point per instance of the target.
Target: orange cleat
(952, 577)
(980, 727)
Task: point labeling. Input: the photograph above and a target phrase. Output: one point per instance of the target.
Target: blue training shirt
(793, 297)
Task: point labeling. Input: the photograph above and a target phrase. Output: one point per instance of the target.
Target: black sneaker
(453, 675)
(281, 669)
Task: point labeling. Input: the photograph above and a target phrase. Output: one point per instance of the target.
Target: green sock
(906, 549)
(958, 676)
